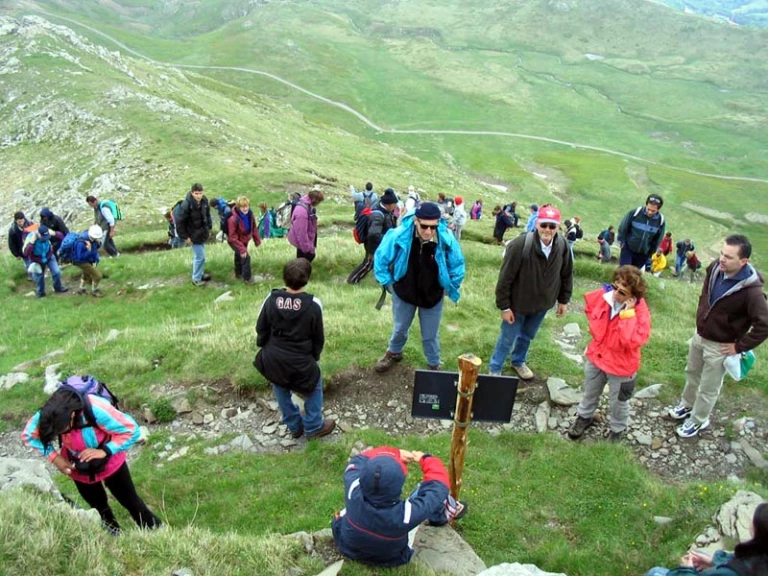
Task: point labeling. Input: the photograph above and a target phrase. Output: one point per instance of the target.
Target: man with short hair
(103, 216)
(380, 220)
(194, 225)
(641, 231)
(732, 317)
(16, 234)
(537, 273)
(682, 248)
(419, 263)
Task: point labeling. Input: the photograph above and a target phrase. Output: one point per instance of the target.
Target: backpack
(67, 248)
(450, 206)
(225, 211)
(362, 223)
(284, 212)
(579, 232)
(113, 206)
(361, 205)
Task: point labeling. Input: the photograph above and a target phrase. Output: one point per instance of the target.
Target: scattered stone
(444, 551)
(16, 472)
(181, 405)
(10, 380)
(178, 454)
(270, 429)
(578, 358)
(243, 443)
(656, 443)
(183, 572)
(661, 520)
(288, 443)
(228, 413)
(648, 392)
(208, 418)
(149, 416)
(552, 423)
(731, 458)
(755, 457)
(738, 425)
(565, 345)
(211, 451)
(643, 439)
(197, 419)
(24, 366)
(344, 427)
(561, 393)
(735, 516)
(270, 405)
(572, 330)
(226, 297)
(333, 569)
(52, 378)
(517, 570)
(113, 334)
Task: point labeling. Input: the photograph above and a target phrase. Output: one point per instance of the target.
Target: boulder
(11, 379)
(517, 570)
(648, 392)
(734, 518)
(561, 393)
(52, 378)
(542, 417)
(572, 330)
(16, 472)
(445, 552)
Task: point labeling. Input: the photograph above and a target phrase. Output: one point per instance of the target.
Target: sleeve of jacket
(757, 312)
(566, 276)
(232, 238)
(384, 258)
(432, 492)
(182, 220)
(352, 474)
(107, 214)
(28, 249)
(658, 237)
(635, 326)
(623, 230)
(61, 225)
(263, 328)
(455, 262)
(121, 427)
(207, 213)
(510, 268)
(12, 245)
(318, 334)
(375, 231)
(300, 221)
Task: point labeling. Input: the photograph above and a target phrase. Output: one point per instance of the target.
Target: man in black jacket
(537, 273)
(55, 224)
(16, 234)
(193, 225)
(381, 219)
(290, 333)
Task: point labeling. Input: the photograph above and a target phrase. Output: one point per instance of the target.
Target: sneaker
(299, 433)
(578, 427)
(689, 428)
(206, 278)
(328, 427)
(62, 290)
(523, 371)
(461, 510)
(387, 361)
(198, 283)
(680, 412)
(615, 437)
(97, 293)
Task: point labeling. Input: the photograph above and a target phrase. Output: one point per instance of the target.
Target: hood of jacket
(381, 481)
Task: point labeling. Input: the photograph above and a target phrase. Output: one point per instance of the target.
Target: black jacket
(16, 238)
(379, 222)
(290, 333)
(194, 220)
(55, 223)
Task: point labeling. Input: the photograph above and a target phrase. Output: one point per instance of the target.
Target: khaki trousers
(90, 274)
(703, 377)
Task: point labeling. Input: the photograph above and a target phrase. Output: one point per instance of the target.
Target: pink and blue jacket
(119, 429)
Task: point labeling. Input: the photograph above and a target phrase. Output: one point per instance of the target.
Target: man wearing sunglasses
(537, 273)
(641, 231)
(418, 263)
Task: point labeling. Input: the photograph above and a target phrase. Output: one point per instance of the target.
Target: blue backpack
(67, 249)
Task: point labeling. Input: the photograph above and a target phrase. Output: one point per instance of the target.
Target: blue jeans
(657, 571)
(176, 242)
(39, 279)
(429, 320)
(312, 421)
(627, 257)
(679, 263)
(517, 335)
(198, 261)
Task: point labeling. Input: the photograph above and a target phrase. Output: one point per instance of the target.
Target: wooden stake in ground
(469, 366)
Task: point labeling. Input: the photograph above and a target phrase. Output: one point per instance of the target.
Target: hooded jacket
(616, 342)
(374, 526)
(640, 233)
(194, 219)
(740, 315)
(38, 249)
(291, 337)
(80, 252)
(54, 223)
(380, 222)
(16, 238)
(237, 236)
(390, 262)
(303, 232)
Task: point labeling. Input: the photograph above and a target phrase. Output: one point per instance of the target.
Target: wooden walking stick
(469, 366)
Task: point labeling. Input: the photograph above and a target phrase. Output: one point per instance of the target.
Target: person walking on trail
(419, 263)
(667, 244)
(476, 212)
(194, 225)
(536, 274)
(376, 525)
(303, 232)
(620, 324)
(459, 217)
(290, 335)
(503, 223)
(85, 255)
(39, 252)
(732, 317)
(364, 199)
(241, 229)
(379, 222)
(56, 225)
(103, 216)
(641, 231)
(681, 249)
(605, 239)
(102, 443)
(530, 226)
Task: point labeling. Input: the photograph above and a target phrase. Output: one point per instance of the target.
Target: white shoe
(523, 371)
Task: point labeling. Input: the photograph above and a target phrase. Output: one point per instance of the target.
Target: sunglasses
(621, 291)
(427, 226)
(548, 226)
(654, 200)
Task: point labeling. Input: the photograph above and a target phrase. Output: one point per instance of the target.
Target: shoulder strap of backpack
(528, 246)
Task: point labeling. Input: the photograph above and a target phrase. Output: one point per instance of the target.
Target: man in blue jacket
(418, 263)
(641, 231)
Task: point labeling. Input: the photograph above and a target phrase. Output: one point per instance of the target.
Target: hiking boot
(689, 428)
(578, 427)
(299, 433)
(680, 412)
(81, 291)
(328, 427)
(62, 290)
(615, 437)
(198, 283)
(206, 278)
(96, 293)
(387, 361)
(523, 371)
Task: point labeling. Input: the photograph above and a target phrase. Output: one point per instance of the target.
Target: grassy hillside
(740, 12)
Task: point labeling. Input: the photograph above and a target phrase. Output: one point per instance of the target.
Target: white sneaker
(523, 371)
(689, 428)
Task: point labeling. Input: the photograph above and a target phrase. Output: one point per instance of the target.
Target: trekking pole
(469, 366)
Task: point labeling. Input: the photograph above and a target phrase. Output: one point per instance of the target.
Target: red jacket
(237, 237)
(666, 245)
(615, 346)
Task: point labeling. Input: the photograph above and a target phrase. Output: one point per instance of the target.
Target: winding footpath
(382, 130)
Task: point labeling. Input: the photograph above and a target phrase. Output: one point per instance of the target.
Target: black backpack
(579, 232)
(366, 202)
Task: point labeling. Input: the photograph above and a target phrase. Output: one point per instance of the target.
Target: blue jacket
(80, 254)
(374, 526)
(390, 261)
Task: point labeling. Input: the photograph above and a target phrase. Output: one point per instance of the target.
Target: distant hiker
(477, 210)
(667, 244)
(530, 226)
(380, 220)
(641, 231)
(91, 434)
(174, 240)
(364, 199)
(658, 263)
(459, 217)
(39, 252)
(16, 233)
(375, 525)
(419, 263)
(620, 324)
(242, 228)
(503, 223)
(606, 239)
(85, 255)
(692, 264)
(572, 233)
(447, 205)
(682, 248)
(194, 225)
(749, 558)
(56, 225)
(303, 232)
(732, 318)
(412, 201)
(105, 217)
(511, 210)
(536, 274)
(290, 334)
(266, 221)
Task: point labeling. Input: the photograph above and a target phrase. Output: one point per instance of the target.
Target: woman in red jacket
(620, 324)
(241, 228)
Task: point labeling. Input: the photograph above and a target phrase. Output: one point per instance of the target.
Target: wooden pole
(469, 366)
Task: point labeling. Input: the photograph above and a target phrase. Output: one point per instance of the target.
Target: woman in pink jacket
(620, 324)
(92, 455)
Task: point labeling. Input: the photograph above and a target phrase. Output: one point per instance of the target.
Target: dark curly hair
(56, 415)
(632, 279)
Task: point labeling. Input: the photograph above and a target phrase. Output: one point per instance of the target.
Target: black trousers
(361, 270)
(121, 486)
(109, 244)
(242, 266)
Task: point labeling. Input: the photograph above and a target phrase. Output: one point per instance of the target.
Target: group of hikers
(417, 258)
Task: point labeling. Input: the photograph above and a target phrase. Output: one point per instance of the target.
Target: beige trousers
(703, 377)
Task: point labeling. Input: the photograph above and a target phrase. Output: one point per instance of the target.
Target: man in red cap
(537, 273)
